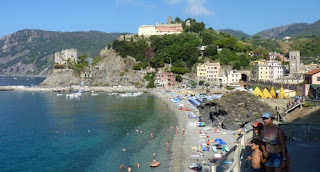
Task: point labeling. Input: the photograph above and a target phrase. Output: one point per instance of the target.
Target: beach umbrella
(265, 94)
(257, 91)
(272, 93)
(282, 94)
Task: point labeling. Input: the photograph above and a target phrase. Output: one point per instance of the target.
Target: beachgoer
(167, 145)
(183, 130)
(208, 142)
(154, 154)
(137, 165)
(274, 139)
(129, 169)
(137, 131)
(256, 157)
(124, 149)
(122, 167)
(257, 128)
(127, 134)
(140, 131)
(151, 135)
(154, 160)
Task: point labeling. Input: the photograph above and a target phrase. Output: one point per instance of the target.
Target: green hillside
(34, 46)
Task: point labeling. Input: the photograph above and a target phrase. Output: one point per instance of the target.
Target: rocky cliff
(112, 70)
(31, 52)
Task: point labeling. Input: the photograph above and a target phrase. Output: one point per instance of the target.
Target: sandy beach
(185, 145)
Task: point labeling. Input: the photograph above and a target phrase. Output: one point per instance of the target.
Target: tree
(193, 84)
(211, 50)
(207, 84)
(151, 84)
(178, 78)
(177, 20)
(201, 82)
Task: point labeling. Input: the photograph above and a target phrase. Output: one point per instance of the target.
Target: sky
(249, 16)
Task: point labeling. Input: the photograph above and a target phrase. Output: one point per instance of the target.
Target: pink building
(165, 79)
(312, 84)
(277, 56)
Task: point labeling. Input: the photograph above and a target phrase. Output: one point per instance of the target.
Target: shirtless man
(256, 157)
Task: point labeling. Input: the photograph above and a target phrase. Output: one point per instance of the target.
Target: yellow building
(261, 72)
(209, 72)
(258, 62)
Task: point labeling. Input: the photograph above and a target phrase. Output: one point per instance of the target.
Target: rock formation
(234, 109)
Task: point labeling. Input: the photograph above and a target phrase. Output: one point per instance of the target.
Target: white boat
(60, 94)
(14, 78)
(94, 94)
(75, 94)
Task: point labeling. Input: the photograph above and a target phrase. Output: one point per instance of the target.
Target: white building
(276, 70)
(160, 29)
(233, 77)
(63, 56)
(261, 72)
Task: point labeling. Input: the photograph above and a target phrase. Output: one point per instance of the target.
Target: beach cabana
(257, 91)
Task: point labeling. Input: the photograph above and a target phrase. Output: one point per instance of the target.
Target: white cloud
(196, 8)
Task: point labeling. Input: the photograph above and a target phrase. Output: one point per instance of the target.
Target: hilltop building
(63, 56)
(277, 56)
(160, 29)
(209, 72)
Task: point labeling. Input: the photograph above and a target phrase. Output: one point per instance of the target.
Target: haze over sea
(40, 131)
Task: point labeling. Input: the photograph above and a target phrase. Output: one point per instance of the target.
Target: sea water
(25, 81)
(40, 131)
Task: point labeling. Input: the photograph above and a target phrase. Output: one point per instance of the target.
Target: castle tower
(169, 20)
(294, 57)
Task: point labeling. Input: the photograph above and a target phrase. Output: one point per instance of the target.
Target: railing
(301, 132)
(238, 154)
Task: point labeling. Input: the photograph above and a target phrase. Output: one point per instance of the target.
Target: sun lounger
(214, 149)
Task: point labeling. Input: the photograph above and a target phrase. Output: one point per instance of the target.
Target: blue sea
(40, 131)
(26, 81)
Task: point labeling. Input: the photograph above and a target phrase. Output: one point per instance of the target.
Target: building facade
(312, 84)
(165, 79)
(276, 70)
(233, 77)
(160, 29)
(261, 72)
(209, 72)
(63, 56)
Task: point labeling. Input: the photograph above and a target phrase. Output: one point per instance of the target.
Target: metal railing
(301, 132)
(238, 153)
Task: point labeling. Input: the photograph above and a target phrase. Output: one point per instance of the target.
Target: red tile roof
(314, 71)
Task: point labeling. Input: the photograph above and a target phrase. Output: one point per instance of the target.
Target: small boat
(60, 94)
(155, 164)
(94, 94)
(14, 78)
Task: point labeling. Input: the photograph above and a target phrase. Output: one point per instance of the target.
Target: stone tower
(294, 57)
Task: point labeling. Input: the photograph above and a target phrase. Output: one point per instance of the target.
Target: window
(318, 78)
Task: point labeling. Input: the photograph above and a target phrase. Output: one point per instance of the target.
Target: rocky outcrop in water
(234, 109)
